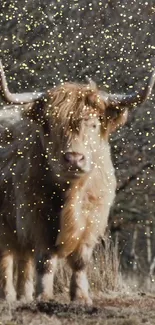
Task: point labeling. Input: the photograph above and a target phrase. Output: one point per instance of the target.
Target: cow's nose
(73, 158)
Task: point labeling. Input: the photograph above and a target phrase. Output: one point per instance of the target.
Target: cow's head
(77, 120)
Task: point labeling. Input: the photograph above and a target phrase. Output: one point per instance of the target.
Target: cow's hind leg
(25, 279)
(79, 287)
(46, 273)
(6, 275)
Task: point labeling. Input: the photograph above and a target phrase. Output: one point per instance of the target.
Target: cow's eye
(94, 126)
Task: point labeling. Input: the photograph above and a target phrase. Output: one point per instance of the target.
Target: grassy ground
(115, 300)
(110, 309)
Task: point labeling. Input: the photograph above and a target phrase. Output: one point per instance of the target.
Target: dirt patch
(118, 310)
(54, 308)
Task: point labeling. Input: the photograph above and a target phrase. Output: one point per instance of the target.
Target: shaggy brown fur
(47, 205)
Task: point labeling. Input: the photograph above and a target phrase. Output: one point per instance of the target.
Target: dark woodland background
(43, 42)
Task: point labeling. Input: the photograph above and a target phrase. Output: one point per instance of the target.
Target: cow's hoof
(44, 297)
(84, 301)
(11, 296)
(26, 298)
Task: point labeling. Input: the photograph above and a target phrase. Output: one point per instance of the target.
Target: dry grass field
(110, 309)
(116, 302)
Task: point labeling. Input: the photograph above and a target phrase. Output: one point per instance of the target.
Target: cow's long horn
(132, 99)
(14, 98)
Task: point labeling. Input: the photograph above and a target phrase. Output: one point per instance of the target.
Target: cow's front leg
(6, 275)
(46, 276)
(25, 280)
(79, 287)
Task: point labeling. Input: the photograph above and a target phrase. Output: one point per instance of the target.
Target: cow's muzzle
(74, 160)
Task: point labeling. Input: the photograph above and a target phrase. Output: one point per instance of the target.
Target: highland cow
(57, 180)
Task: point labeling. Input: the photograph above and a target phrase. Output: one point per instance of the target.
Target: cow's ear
(116, 118)
(36, 112)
